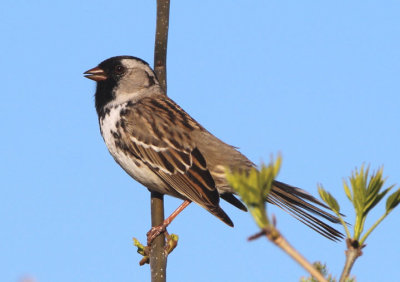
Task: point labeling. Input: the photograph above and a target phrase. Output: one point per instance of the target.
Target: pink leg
(157, 230)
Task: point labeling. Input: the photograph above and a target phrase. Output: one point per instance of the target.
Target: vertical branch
(158, 256)
(160, 48)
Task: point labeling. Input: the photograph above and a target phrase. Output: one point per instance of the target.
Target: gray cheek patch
(134, 80)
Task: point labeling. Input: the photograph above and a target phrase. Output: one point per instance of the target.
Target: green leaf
(365, 193)
(253, 187)
(392, 201)
(365, 190)
(376, 200)
(322, 268)
(358, 185)
(141, 249)
(347, 191)
(329, 199)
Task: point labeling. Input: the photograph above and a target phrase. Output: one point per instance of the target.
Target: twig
(275, 237)
(160, 48)
(354, 250)
(158, 256)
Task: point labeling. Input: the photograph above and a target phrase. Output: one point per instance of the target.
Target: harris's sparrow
(161, 146)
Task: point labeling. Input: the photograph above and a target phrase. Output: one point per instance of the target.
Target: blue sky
(316, 81)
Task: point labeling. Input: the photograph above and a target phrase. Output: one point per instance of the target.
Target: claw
(154, 232)
(171, 243)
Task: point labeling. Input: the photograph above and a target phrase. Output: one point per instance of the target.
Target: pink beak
(96, 74)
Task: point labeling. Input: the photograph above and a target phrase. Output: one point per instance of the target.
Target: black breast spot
(116, 135)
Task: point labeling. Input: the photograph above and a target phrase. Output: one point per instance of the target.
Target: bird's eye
(119, 70)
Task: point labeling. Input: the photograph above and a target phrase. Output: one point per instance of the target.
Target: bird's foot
(170, 244)
(171, 240)
(154, 232)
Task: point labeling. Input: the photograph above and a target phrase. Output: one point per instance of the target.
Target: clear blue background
(315, 80)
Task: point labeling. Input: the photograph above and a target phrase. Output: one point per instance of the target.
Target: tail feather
(293, 201)
(296, 195)
(309, 220)
(233, 201)
(219, 212)
(299, 192)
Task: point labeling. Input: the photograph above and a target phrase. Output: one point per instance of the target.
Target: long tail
(299, 204)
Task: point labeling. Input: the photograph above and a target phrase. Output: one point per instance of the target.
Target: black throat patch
(104, 95)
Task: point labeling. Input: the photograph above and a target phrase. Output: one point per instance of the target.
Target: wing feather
(159, 134)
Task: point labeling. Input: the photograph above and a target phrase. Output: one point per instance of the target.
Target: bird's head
(120, 79)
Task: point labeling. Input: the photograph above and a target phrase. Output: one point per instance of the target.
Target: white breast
(135, 168)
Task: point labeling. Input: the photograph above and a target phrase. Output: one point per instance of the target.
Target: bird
(166, 150)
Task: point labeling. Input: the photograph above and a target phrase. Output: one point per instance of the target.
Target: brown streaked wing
(158, 131)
